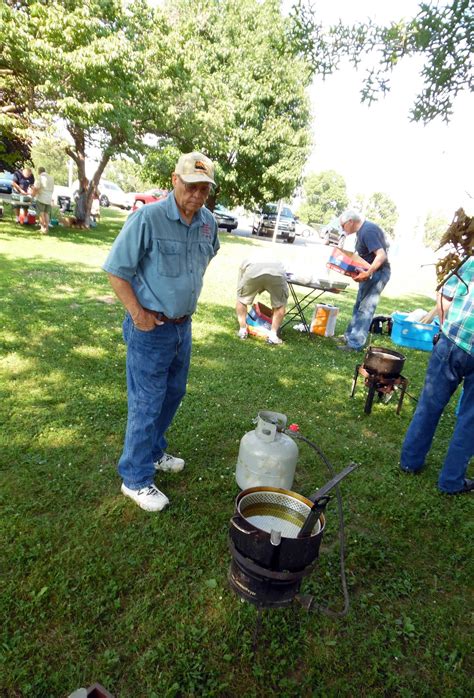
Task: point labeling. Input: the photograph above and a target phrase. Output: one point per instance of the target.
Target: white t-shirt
(45, 185)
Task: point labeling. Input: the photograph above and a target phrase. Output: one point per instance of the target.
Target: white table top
(319, 284)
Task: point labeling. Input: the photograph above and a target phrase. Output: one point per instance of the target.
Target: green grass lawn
(95, 589)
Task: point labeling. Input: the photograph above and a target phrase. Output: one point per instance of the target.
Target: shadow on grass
(63, 328)
(82, 558)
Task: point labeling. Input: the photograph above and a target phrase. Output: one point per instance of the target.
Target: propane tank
(267, 458)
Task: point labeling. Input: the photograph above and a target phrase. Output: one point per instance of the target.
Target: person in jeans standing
(451, 363)
(156, 267)
(372, 246)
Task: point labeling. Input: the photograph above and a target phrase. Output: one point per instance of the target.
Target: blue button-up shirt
(163, 257)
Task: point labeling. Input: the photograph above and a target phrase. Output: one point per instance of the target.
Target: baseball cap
(195, 167)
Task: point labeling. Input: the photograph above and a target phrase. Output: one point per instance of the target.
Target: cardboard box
(323, 321)
(347, 263)
(261, 312)
(416, 335)
(259, 320)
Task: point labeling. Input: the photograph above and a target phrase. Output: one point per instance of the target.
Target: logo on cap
(198, 165)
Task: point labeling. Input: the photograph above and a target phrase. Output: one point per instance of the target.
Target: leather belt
(165, 318)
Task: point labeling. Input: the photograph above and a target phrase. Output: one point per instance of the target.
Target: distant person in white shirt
(43, 193)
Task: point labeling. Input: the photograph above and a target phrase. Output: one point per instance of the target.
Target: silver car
(332, 233)
(225, 219)
(110, 194)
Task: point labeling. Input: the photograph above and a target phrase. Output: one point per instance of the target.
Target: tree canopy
(381, 209)
(48, 150)
(200, 74)
(244, 101)
(441, 34)
(325, 196)
(435, 226)
(92, 65)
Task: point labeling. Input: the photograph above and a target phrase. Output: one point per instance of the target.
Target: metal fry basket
(273, 510)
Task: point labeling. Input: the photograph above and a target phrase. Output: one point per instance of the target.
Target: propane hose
(307, 600)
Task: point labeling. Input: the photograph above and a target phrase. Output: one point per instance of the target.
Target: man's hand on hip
(145, 320)
(142, 319)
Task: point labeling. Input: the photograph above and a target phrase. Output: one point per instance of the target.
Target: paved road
(246, 232)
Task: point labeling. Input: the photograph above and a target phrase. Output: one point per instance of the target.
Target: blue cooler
(415, 335)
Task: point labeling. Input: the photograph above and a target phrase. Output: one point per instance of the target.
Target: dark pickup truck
(264, 222)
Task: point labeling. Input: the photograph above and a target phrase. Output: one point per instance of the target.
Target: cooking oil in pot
(274, 517)
(272, 510)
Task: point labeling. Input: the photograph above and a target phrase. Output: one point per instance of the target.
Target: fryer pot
(267, 521)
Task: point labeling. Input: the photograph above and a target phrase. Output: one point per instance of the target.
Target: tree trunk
(212, 198)
(79, 157)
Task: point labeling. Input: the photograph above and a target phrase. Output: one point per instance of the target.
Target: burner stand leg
(402, 395)
(370, 396)
(354, 380)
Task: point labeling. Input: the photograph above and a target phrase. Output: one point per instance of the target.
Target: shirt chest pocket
(169, 258)
(205, 252)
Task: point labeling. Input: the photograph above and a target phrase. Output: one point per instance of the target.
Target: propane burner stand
(261, 586)
(381, 384)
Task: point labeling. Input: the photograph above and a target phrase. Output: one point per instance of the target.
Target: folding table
(316, 290)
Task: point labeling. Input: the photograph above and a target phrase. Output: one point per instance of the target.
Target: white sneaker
(149, 498)
(274, 339)
(169, 464)
(243, 334)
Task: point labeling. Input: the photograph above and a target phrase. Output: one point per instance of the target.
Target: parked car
(332, 233)
(305, 230)
(6, 179)
(110, 194)
(148, 197)
(225, 219)
(347, 242)
(264, 222)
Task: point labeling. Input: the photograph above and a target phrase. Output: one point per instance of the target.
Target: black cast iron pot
(385, 362)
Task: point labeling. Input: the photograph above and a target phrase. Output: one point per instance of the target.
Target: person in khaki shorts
(43, 192)
(256, 277)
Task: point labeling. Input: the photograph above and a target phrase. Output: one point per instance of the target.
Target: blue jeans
(364, 308)
(157, 373)
(449, 366)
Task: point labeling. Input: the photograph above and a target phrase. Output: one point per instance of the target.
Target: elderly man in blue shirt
(371, 245)
(156, 268)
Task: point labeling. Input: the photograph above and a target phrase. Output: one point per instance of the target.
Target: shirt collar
(172, 210)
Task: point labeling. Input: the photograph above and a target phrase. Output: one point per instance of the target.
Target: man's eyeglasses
(197, 188)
